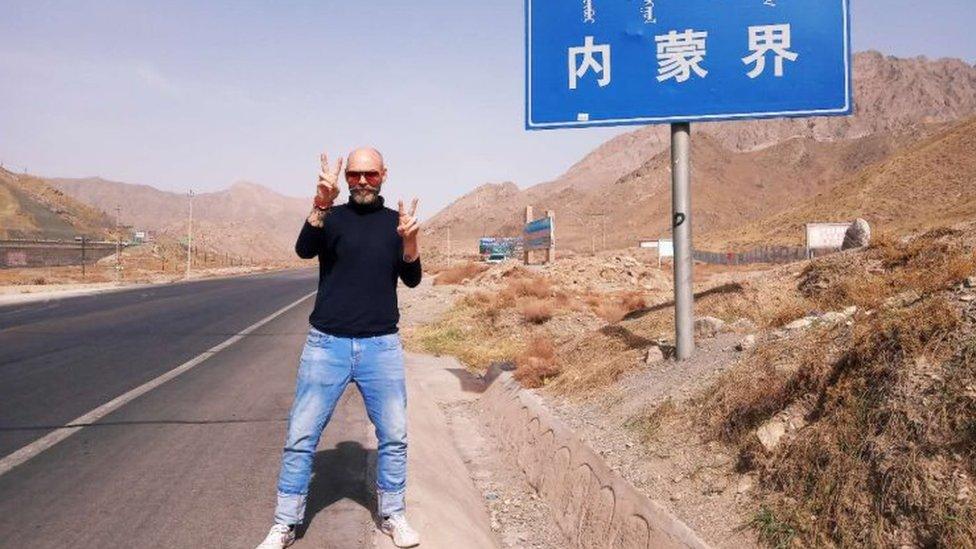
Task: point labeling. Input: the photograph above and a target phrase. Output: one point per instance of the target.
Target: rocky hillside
(247, 219)
(930, 184)
(897, 100)
(31, 208)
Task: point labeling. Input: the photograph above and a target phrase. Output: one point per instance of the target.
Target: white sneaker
(403, 535)
(279, 537)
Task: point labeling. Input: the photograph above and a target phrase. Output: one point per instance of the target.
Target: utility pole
(604, 216)
(189, 236)
(684, 299)
(118, 246)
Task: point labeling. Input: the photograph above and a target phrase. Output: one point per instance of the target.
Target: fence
(767, 254)
(52, 253)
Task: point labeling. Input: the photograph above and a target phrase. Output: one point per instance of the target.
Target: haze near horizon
(182, 95)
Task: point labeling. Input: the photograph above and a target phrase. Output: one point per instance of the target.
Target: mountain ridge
(900, 99)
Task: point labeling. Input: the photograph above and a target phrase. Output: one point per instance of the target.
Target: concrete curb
(593, 505)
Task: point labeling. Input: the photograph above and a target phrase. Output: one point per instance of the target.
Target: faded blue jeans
(328, 364)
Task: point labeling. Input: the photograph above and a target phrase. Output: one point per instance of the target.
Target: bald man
(363, 248)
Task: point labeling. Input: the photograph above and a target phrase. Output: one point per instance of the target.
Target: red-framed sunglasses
(373, 177)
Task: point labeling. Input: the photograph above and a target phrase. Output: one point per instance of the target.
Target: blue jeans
(328, 364)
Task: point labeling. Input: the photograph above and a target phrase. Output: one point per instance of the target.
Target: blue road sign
(614, 62)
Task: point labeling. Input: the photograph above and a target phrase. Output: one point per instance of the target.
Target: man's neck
(376, 204)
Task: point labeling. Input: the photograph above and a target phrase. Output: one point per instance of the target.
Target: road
(192, 462)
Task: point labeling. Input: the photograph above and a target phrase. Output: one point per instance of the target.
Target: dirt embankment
(831, 403)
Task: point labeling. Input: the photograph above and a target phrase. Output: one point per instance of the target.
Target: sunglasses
(373, 177)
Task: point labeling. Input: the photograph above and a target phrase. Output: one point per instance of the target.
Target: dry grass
(459, 273)
(614, 308)
(933, 261)
(536, 311)
(537, 363)
(459, 333)
(528, 287)
(879, 464)
(888, 455)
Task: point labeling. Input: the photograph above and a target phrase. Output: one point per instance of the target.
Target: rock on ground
(858, 235)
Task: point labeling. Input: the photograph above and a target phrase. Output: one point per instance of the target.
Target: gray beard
(364, 198)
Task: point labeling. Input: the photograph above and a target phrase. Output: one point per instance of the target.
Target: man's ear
(383, 171)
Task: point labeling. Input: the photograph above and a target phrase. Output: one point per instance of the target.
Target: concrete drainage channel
(594, 506)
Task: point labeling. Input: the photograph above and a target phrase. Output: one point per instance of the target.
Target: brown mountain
(31, 208)
(247, 219)
(744, 169)
(927, 185)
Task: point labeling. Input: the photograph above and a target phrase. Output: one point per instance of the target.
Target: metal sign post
(684, 299)
(614, 63)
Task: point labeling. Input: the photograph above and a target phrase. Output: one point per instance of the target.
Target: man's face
(365, 175)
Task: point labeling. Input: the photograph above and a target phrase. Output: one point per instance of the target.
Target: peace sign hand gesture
(409, 228)
(328, 186)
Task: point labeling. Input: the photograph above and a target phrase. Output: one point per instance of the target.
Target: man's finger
(400, 207)
(338, 169)
(324, 159)
(413, 207)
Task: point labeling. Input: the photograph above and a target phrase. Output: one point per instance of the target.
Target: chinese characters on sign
(588, 52)
(680, 54)
(771, 38)
(605, 62)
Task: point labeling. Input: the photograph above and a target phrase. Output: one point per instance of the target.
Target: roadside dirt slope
(930, 184)
(30, 208)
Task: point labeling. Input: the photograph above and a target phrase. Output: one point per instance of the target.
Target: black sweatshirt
(360, 258)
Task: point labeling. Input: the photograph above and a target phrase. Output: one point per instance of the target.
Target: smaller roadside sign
(538, 234)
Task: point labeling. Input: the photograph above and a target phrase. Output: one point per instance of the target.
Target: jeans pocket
(389, 342)
(318, 339)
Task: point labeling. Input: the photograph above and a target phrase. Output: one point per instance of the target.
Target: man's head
(365, 174)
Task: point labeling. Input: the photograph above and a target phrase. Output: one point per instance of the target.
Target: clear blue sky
(180, 94)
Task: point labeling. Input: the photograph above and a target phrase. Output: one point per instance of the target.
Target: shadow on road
(339, 473)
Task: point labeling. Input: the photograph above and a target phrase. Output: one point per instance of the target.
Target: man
(363, 248)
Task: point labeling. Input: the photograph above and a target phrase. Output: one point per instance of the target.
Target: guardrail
(16, 253)
(766, 254)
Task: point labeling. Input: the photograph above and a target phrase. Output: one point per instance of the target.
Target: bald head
(364, 159)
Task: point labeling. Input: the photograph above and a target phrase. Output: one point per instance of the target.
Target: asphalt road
(191, 463)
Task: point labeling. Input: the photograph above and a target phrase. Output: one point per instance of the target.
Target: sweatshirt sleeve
(310, 241)
(410, 273)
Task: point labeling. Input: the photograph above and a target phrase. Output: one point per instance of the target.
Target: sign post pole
(684, 299)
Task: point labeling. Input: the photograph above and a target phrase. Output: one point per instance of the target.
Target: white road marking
(27, 452)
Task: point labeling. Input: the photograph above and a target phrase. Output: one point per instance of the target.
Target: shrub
(529, 287)
(536, 311)
(459, 273)
(537, 363)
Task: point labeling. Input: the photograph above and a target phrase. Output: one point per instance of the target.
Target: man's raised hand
(328, 186)
(408, 228)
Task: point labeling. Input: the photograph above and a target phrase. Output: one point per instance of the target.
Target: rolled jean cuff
(390, 503)
(290, 509)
